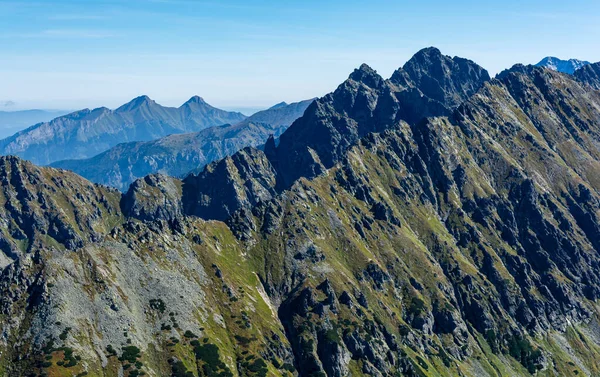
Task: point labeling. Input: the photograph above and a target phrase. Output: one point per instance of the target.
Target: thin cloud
(63, 34)
(79, 33)
(77, 17)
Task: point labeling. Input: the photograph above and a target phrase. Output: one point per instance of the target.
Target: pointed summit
(278, 106)
(136, 103)
(271, 149)
(196, 100)
(564, 66)
(428, 52)
(447, 80)
(367, 76)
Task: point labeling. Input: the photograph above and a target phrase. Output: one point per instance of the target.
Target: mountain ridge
(589, 74)
(565, 66)
(87, 132)
(458, 244)
(180, 154)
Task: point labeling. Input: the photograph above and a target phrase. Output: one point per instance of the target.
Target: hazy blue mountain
(565, 66)
(85, 133)
(14, 121)
(179, 154)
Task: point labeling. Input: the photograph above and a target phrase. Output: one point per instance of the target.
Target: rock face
(447, 80)
(242, 180)
(38, 203)
(430, 84)
(564, 66)
(367, 103)
(86, 133)
(177, 155)
(462, 244)
(589, 74)
(154, 197)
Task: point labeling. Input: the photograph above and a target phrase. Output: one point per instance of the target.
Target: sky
(71, 54)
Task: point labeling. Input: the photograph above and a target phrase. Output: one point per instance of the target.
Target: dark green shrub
(259, 367)
(188, 334)
(289, 367)
(416, 307)
(179, 370)
(111, 351)
(63, 335)
(130, 353)
(158, 304)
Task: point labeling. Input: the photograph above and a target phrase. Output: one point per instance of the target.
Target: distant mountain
(85, 133)
(14, 121)
(589, 74)
(179, 154)
(565, 66)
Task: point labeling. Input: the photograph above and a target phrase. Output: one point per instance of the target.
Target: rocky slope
(457, 245)
(177, 155)
(589, 74)
(564, 66)
(87, 132)
(367, 103)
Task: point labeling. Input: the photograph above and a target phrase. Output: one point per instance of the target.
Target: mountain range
(177, 155)
(437, 223)
(564, 66)
(85, 133)
(14, 121)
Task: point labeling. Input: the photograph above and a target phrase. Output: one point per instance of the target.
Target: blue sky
(73, 54)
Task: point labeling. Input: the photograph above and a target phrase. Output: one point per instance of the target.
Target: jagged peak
(367, 76)
(428, 52)
(589, 74)
(422, 59)
(271, 148)
(430, 55)
(562, 65)
(11, 160)
(519, 68)
(555, 59)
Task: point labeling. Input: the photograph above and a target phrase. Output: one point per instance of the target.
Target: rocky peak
(426, 56)
(447, 80)
(589, 74)
(364, 103)
(367, 103)
(154, 197)
(517, 68)
(43, 202)
(565, 66)
(459, 244)
(271, 148)
(241, 180)
(367, 75)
